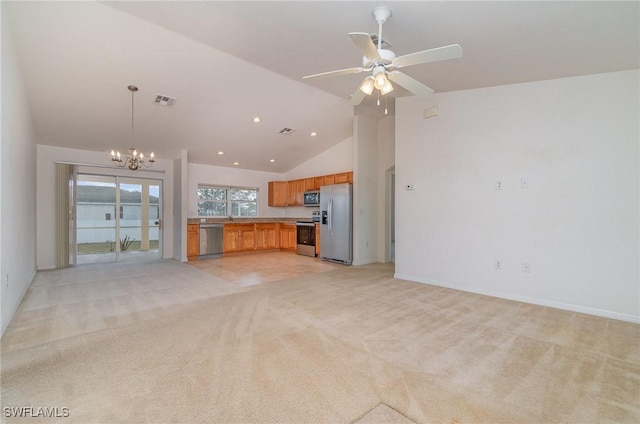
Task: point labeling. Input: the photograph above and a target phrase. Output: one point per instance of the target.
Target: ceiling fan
(383, 64)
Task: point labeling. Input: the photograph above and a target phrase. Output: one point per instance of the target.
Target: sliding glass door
(117, 219)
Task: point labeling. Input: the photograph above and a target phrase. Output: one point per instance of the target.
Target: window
(224, 201)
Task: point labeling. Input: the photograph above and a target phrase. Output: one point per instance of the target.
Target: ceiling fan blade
(338, 72)
(357, 98)
(364, 43)
(433, 55)
(405, 81)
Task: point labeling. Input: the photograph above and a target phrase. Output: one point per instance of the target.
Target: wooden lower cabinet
(259, 236)
(193, 241)
(288, 237)
(267, 236)
(239, 237)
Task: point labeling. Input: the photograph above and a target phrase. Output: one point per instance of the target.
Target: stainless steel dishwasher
(211, 240)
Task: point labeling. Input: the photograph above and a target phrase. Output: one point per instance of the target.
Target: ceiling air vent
(164, 100)
(286, 131)
(385, 44)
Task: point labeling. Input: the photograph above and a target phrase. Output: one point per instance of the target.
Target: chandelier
(135, 160)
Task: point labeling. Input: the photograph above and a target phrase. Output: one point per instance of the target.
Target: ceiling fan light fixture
(367, 86)
(380, 80)
(386, 88)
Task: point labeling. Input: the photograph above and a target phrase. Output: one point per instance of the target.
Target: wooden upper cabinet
(291, 193)
(329, 179)
(341, 178)
(300, 184)
(296, 192)
(310, 184)
(278, 193)
(291, 196)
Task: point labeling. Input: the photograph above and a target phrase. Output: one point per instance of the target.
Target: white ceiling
(227, 62)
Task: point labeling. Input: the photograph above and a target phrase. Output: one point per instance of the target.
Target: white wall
(577, 142)
(365, 190)
(219, 175)
(180, 207)
(386, 161)
(46, 191)
(18, 185)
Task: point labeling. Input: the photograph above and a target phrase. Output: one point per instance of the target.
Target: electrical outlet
(498, 184)
(497, 264)
(410, 187)
(524, 182)
(526, 267)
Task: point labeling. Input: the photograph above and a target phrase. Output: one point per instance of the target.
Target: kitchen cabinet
(310, 184)
(296, 192)
(329, 179)
(278, 193)
(291, 193)
(341, 178)
(266, 236)
(239, 237)
(288, 237)
(300, 187)
(193, 241)
(317, 239)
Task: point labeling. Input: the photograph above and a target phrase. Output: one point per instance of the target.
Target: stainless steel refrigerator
(336, 218)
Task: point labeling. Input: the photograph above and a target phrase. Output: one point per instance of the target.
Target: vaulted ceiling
(227, 62)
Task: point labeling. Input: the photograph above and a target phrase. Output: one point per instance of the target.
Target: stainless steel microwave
(311, 198)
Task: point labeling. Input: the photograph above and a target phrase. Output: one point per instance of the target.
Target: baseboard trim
(5, 325)
(526, 299)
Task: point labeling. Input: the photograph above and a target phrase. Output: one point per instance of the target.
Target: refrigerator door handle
(330, 210)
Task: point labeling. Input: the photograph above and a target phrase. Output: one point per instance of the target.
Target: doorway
(390, 215)
(117, 219)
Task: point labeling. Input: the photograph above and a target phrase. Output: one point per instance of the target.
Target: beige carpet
(330, 347)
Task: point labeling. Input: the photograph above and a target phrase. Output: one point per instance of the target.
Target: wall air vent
(385, 44)
(164, 100)
(286, 131)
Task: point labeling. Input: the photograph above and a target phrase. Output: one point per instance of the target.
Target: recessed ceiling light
(313, 134)
(221, 152)
(257, 120)
(272, 160)
(236, 163)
